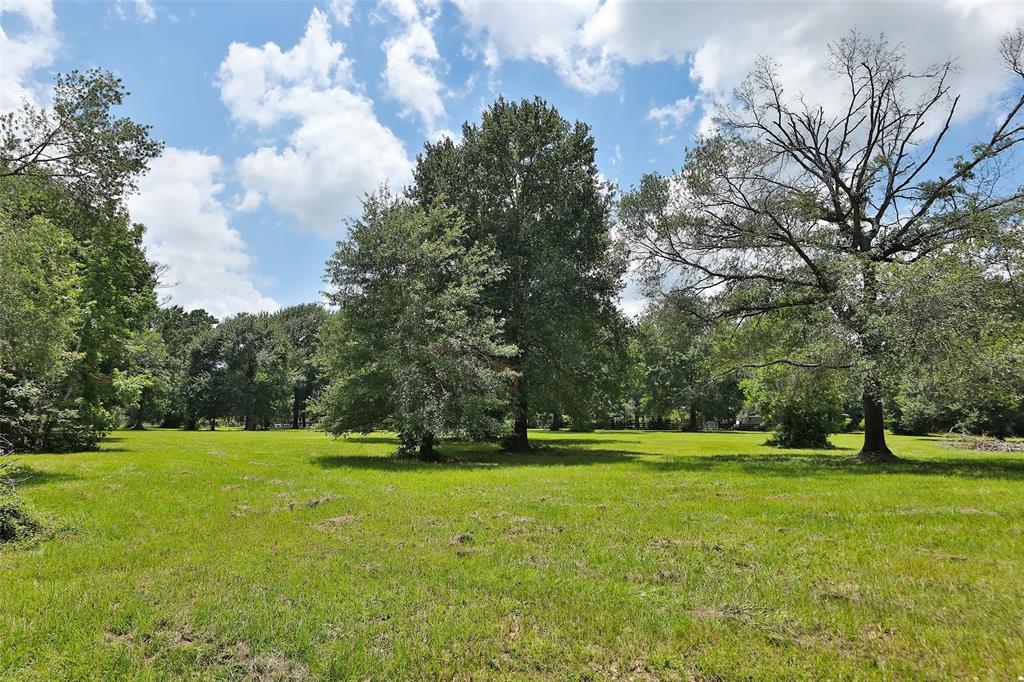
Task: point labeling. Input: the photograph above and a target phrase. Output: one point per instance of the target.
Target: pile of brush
(985, 443)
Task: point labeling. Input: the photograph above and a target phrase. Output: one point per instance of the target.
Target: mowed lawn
(604, 556)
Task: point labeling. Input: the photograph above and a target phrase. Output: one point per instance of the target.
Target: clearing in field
(611, 555)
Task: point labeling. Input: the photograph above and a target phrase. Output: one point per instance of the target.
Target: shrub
(18, 520)
(803, 406)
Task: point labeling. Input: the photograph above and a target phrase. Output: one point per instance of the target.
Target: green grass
(603, 556)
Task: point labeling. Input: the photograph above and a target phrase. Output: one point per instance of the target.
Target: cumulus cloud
(545, 32)
(188, 231)
(31, 46)
(412, 61)
(588, 42)
(334, 148)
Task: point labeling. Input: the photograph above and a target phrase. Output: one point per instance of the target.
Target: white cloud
(672, 114)
(250, 201)
(342, 10)
(142, 10)
(188, 231)
(412, 62)
(336, 149)
(589, 42)
(544, 32)
(33, 47)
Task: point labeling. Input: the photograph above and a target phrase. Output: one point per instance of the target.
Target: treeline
(256, 370)
(824, 271)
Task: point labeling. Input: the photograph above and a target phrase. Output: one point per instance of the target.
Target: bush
(18, 520)
(803, 406)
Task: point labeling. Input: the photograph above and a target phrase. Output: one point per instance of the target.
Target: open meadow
(601, 556)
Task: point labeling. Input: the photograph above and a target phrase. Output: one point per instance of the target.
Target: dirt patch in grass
(312, 502)
(336, 522)
(272, 667)
(237, 659)
(463, 539)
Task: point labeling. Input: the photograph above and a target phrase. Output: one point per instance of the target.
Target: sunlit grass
(612, 555)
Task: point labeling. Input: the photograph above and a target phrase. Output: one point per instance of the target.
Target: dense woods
(824, 271)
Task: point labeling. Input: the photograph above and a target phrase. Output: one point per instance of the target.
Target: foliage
(803, 406)
(300, 325)
(19, 520)
(77, 289)
(204, 391)
(414, 345)
(95, 155)
(526, 182)
(257, 376)
(959, 329)
(145, 385)
(184, 334)
(40, 287)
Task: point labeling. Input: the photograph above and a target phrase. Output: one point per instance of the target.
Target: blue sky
(278, 115)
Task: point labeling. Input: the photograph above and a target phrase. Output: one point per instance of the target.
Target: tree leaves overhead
(78, 141)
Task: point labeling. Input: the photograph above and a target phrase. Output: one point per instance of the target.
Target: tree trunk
(427, 452)
(250, 422)
(191, 424)
(520, 441)
(875, 449)
(692, 426)
(295, 415)
(213, 424)
(557, 423)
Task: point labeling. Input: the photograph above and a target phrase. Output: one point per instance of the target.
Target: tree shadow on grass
(812, 464)
(790, 464)
(460, 456)
(27, 477)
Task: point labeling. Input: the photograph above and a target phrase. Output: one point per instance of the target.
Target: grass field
(604, 556)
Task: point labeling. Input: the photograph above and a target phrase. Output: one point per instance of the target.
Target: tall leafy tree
(181, 332)
(791, 206)
(255, 356)
(203, 392)
(526, 182)
(145, 381)
(300, 325)
(40, 288)
(957, 329)
(415, 345)
(71, 166)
